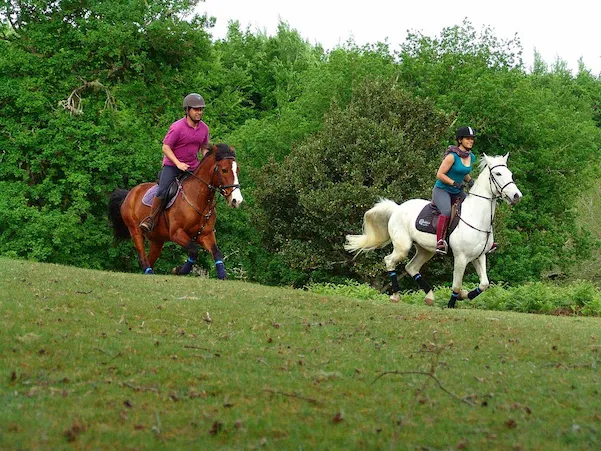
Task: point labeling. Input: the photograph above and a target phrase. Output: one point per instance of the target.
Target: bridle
(492, 182)
(212, 188)
(220, 187)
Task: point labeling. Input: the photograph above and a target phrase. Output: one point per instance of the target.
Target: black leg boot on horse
(149, 222)
(442, 246)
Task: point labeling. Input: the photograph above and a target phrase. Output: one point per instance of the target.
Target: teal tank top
(457, 173)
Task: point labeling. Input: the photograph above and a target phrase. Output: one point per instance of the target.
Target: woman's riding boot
(148, 223)
(493, 248)
(441, 232)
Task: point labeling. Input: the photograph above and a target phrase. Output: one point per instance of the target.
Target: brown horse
(191, 218)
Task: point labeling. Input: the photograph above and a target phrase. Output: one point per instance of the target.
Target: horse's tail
(375, 228)
(120, 230)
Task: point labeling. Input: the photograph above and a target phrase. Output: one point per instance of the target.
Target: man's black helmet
(465, 132)
(193, 101)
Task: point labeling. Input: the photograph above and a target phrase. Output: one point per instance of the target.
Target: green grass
(98, 360)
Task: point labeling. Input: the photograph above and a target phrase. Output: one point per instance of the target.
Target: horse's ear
(214, 148)
(506, 157)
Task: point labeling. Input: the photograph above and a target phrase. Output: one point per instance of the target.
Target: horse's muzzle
(235, 199)
(514, 199)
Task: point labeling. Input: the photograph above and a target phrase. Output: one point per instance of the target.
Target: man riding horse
(181, 145)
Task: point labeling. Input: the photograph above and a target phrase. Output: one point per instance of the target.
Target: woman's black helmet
(465, 132)
(193, 101)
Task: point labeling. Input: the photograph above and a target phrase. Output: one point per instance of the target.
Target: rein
(212, 202)
(491, 181)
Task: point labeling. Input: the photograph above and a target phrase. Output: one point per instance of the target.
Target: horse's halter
(220, 186)
(211, 205)
(493, 182)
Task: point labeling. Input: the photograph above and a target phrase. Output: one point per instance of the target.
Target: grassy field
(96, 360)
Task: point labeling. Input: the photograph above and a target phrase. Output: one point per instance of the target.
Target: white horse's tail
(375, 228)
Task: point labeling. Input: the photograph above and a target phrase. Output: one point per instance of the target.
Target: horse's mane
(492, 161)
(221, 151)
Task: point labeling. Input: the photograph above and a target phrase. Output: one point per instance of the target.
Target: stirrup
(147, 225)
(442, 247)
(494, 247)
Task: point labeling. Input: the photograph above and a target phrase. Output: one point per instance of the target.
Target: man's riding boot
(148, 223)
(441, 232)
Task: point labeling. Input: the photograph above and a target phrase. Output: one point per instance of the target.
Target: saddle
(427, 219)
(172, 192)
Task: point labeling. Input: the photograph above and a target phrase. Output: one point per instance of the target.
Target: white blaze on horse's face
(501, 179)
(235, 198)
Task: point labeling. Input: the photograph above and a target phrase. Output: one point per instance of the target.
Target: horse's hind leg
(419, 259)
(401, 247)
(156, 247)
(138, 239)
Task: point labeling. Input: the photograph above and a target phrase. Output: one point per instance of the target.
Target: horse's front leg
(210, 244)
(458, 271)
(480, 266)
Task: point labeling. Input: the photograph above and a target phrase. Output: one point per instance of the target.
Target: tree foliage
(88, 89)
(385, 143)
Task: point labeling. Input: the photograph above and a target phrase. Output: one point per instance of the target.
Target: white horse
(389, 222)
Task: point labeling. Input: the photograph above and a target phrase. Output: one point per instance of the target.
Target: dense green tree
(385, 143)
(545, 120)
(83, 86)
(88, 89)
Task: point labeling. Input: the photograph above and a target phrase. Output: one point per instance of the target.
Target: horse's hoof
(394, 298)
(175, 271)
(429, 301)
(463, 294)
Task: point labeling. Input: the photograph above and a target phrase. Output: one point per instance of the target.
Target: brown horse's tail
(120, 230)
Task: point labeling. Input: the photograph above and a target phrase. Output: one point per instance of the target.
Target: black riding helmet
(193, 101)
(465, 132)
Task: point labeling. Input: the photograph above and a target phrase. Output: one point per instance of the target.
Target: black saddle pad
(427, 219)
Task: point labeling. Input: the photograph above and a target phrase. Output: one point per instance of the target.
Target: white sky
(565, 29)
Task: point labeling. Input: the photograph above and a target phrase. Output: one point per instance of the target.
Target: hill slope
(110, 360)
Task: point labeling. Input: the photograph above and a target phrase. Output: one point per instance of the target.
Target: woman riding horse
(389, 222)
(451, 178)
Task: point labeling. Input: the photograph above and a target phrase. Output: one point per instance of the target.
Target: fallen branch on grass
(424, 373)
(292, 395)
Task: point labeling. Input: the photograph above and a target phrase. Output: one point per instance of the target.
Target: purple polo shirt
(186, 141)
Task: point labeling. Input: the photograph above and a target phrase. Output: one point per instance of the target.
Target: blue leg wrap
(453, 300)
(423, 284)
(148, 271)
(187, 267)
(220, 269)
(472, 294)
(394, 280)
